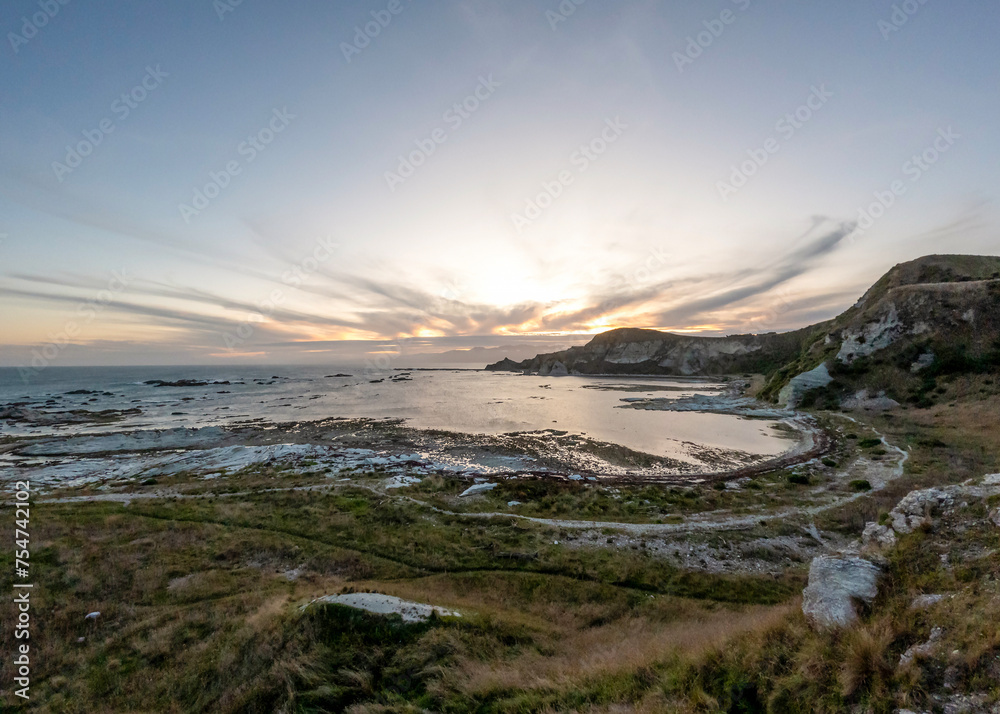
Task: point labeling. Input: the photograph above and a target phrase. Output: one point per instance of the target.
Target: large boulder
(559, 370)
(863, 400)
(835, 584)
(792, 393)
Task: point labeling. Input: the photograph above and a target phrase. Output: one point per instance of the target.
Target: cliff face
(935, 315)
(635, 351)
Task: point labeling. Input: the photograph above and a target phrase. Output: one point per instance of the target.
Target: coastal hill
(924, 319)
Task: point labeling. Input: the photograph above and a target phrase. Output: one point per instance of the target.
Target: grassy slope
(198, 615)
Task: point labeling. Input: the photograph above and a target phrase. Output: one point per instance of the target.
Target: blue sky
(580, 190)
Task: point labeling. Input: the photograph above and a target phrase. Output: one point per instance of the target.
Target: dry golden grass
(865, 663)
(628, 645)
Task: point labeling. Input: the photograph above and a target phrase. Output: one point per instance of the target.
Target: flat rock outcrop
(917, 507)
(836, 584)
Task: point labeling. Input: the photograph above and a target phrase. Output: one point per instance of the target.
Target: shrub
(860, 485)
(866, 666)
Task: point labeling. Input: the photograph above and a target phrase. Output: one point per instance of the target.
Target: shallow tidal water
(466, 401)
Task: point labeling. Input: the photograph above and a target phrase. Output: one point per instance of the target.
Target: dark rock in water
(83, 391)
(182, 383)
(338, 376)
(20, 414)
(376, 381)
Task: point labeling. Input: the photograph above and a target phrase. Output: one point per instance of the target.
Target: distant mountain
(636, 351)
(474, 357)
(936, 315)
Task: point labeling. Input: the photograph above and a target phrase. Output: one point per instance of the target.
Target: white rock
(401, 481)
(916, 507)
(388, 605)
(477, 489)
(511, 504)
(792, 393)
(559, 370)
(873, 337)
(922, 602)
(878, 537)
(923, 361)
(834, 584)
(92, 616)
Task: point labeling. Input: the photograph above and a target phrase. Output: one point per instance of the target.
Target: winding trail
(702, 522)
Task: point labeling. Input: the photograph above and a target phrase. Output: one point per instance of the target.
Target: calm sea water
(464, 401)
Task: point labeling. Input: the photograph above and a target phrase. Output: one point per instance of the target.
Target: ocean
(464, 401)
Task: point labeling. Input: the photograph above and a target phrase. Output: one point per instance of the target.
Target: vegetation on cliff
(921, 322)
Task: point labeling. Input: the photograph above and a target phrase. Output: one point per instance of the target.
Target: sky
(231, 181)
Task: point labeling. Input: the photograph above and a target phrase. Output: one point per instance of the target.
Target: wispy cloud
(390, 309)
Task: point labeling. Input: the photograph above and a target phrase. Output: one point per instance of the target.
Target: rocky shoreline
(386, 445)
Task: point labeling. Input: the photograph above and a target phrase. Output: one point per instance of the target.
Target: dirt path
(878, 474)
